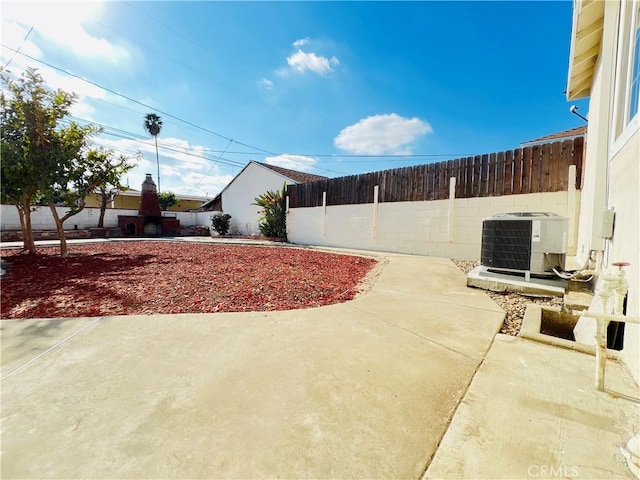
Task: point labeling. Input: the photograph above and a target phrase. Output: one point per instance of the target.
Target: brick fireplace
(149, 221)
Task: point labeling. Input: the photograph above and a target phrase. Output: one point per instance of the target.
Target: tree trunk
(60, 229)
(24, 210)
(23, 227)
(103, 208)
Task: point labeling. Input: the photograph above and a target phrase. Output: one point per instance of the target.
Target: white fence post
(571, 210)
(286, 215)
(324, 213)
(375, 211)
(452, 205)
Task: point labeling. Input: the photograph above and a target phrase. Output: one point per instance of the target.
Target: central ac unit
(525, 242)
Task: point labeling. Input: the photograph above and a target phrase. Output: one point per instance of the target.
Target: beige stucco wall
(611, 180)
(624, 198)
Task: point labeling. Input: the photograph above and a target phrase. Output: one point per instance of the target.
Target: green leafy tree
(115, 169)
(273, 222)
(78, 177)
(167, 200)
(221, 222)
(153, 125)
(36, 148)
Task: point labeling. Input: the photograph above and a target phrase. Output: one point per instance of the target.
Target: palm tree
(153, 125)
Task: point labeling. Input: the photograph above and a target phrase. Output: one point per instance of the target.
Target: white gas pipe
(612, 285)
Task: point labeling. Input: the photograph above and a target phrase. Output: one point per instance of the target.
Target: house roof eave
(586, 39)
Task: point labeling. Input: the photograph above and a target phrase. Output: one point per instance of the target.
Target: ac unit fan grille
(506, 244)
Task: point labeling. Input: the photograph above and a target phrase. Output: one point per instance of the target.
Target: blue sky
(332, 88)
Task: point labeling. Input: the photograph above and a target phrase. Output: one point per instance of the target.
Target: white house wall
(241, 193)
(415, 227)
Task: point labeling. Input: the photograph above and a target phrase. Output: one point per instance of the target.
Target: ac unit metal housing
(528, 242)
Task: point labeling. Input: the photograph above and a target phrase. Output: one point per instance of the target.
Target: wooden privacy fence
(535, 169)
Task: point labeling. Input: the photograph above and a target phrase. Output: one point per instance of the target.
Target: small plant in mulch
(221, 222)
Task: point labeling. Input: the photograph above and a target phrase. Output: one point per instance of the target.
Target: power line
(210, 53)
(138, 102)
(135, 152)
(219, 159)
(19, 48)
(126, 135)
(209, 171)
(230, 140)
(193, 42)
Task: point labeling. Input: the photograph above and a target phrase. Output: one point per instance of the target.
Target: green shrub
(221, 222)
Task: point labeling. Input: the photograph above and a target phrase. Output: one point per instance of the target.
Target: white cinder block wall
(416, 227)
(41, 218)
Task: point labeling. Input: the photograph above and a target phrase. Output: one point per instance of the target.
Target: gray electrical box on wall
(606, 227)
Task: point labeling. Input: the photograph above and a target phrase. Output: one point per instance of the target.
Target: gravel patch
(514, 304)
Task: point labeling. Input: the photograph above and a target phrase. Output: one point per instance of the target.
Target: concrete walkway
(532, 411)
(364, 389)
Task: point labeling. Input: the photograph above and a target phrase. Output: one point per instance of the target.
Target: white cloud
(201, 184)
(301, 42)
(60, 25)
(56, 79)
(170, 149)
(186, 184)
(169, 171)
(179, 173)
(301, 61)
(293, 162)
(266, 83)
(382, 134)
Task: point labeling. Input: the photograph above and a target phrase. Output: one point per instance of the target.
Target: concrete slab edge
(530, 330)
(460, 400)
(479, 277)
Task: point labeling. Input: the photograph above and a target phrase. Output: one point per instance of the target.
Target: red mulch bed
(129, 278)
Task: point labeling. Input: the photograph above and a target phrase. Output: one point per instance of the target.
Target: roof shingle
(300, 177)
(568, 134)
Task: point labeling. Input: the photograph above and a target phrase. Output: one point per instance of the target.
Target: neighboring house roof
(564, 135)
(299, 177)
(586, 37)
(294, 176)
(132, 192)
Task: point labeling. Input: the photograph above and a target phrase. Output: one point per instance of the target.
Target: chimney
(149, 204)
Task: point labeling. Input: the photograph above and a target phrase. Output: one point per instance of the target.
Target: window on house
(635, 76)
(627, 87)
